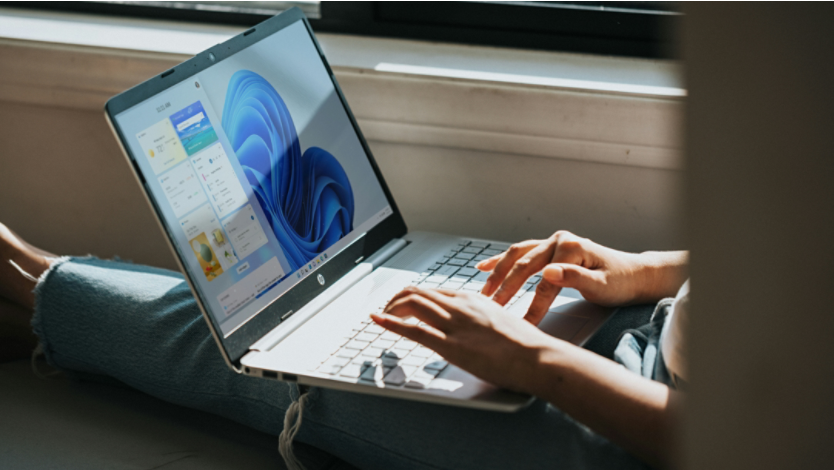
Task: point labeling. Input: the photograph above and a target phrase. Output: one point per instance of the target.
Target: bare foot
(14, 286)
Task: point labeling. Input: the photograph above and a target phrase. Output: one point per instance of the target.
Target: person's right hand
(602, 275)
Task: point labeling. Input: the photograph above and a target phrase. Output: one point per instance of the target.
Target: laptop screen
(257, 172)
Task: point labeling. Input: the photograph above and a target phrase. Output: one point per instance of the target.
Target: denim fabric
(141, 325)
(639, 349)
(606, 340)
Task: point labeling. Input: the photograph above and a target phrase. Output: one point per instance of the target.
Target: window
(634, 29)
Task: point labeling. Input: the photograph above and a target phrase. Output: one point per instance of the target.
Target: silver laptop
(285, 229)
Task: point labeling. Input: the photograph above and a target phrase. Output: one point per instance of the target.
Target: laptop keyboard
(370, 353)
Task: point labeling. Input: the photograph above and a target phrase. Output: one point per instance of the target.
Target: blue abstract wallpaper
(306, 196)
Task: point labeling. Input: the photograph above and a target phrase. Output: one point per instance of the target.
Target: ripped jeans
(141, 326)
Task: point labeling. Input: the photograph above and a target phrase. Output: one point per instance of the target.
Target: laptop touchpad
(562, 326)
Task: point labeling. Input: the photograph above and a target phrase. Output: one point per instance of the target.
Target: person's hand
(604, 276)
(470, 331)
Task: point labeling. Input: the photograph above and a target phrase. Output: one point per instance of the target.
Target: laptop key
(352, 371)
(457, 262)
(375, 329)
(412, 360)
(420, 380)
(422, 351)
(389, 336)
(372, 352)
(437, 366)
(338, 360)
(445, 271)
(333, 365)
(479, 244)
(383, 343)
(390, 361)
(451, 285)
(366, 337)
(372, 373)
(406, 344)
(459, 280)
(399, 351)
(436, 279)
(467, 272)
(353, 344)
(398, 375)
(347, 353)
(330, 369)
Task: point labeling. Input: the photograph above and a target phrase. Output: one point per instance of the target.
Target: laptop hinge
(386, 252)
(324, 299)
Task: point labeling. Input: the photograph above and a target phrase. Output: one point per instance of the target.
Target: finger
(399, 295)
(586, 281)
(546, 293)
(429, 337)
(524, 267)
(416, 305)
(489, 263)
(416, 290)
(506, 263)
(442, 298)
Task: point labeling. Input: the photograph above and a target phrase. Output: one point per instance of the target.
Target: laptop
(287, 234)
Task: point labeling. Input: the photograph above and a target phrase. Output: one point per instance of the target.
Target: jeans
(141, 326)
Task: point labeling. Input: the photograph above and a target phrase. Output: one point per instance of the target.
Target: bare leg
(17, 299)
(14, 286)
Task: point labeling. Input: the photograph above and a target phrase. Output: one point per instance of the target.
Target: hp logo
(321, 279)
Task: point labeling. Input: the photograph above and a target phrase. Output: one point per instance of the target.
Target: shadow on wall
(74, 194)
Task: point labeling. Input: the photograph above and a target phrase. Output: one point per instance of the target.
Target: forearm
(633, 412)
(662, 273)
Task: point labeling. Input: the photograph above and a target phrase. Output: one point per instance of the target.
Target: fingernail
(487, 286)
(480, 263)
(554, 273)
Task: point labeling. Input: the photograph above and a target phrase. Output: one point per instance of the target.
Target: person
(141, 326)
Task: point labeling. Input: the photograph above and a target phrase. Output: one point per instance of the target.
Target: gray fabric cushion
(69, 424)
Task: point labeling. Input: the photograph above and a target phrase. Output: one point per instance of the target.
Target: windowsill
(551, 69)
(489, 100)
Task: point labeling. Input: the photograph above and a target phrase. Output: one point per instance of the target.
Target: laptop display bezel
(236, 344)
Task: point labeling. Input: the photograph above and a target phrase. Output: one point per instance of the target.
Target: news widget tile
(194, 128)
(161, 146)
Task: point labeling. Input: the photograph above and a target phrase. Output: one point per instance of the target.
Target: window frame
(626, 30)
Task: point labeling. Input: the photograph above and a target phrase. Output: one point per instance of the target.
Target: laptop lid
(258, 174)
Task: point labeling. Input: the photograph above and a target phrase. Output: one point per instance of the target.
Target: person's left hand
(470, 331)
